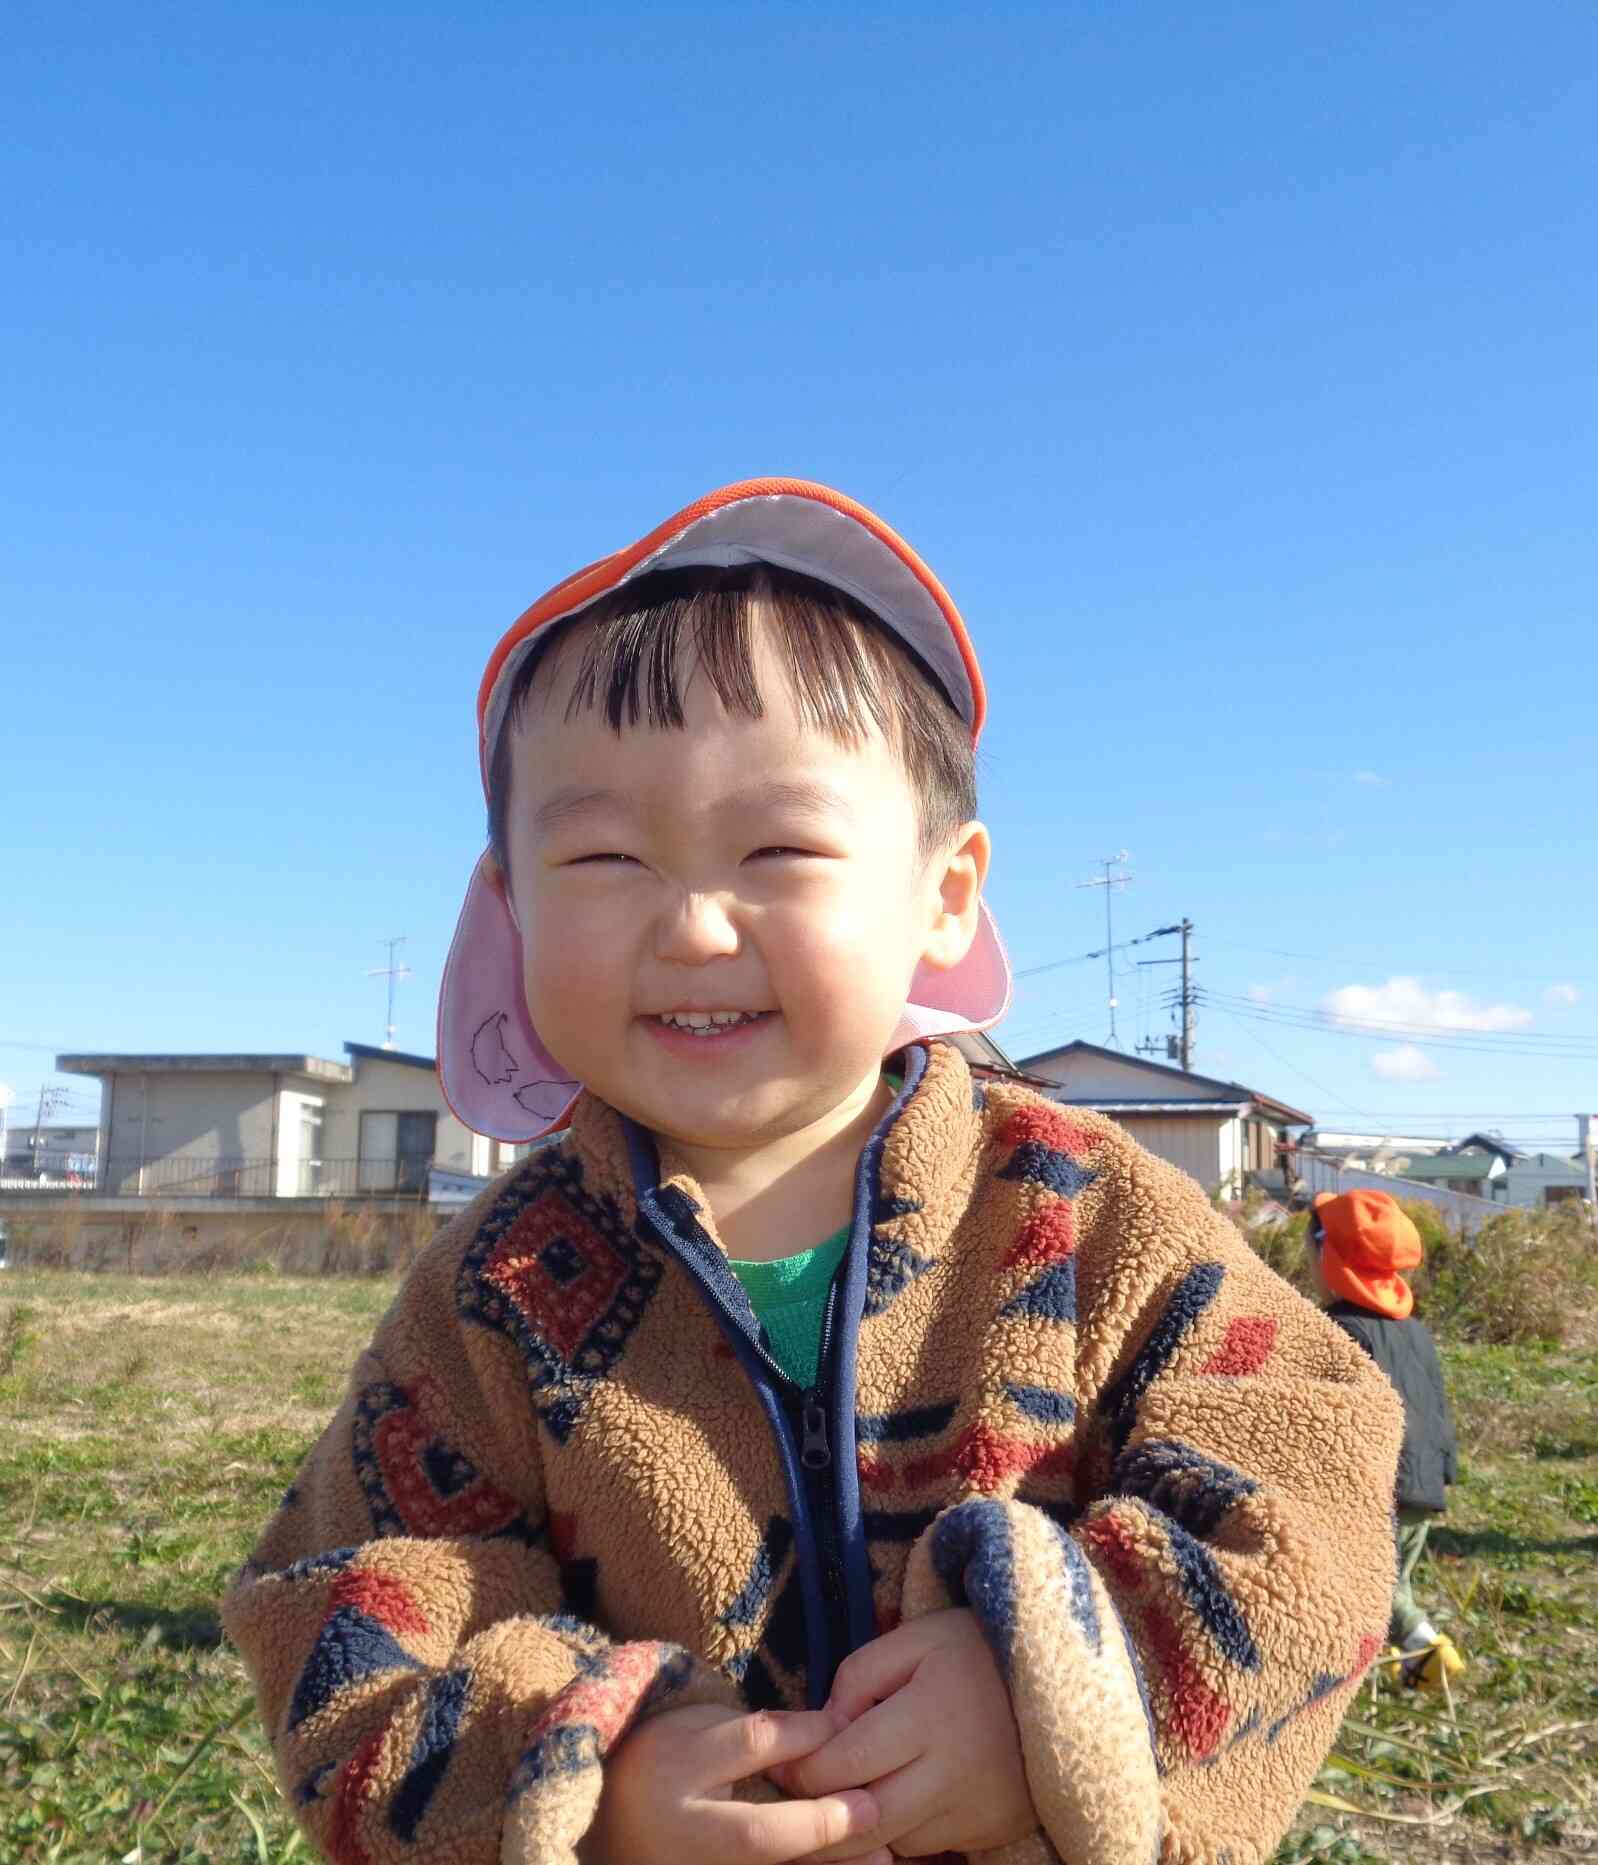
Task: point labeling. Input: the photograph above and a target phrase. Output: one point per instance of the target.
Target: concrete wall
(147, 1237)
(382, 1086)
(203, 1117)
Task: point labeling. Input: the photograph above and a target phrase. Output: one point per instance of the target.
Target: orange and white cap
(496, 1073)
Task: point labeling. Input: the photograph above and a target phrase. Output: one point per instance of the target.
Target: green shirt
(789, 1297)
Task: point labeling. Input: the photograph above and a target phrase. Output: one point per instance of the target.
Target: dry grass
(147, 1428)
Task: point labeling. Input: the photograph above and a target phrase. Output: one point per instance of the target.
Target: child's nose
(700, 928)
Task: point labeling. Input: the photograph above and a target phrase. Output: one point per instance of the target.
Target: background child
(1063, 1516)
(1363, 1241)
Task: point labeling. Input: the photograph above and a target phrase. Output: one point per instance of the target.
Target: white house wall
(1229, 1149)
(398, 1088)
(292, 1104)
(205, 1117)
(1186, 1140)
(1109, 1078)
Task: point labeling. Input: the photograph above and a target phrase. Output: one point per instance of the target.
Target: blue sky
(1233, 367)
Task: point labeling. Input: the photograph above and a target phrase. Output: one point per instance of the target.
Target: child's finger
(886, 1738)
(875, 1671)
(744, 1745)
(737, 1832)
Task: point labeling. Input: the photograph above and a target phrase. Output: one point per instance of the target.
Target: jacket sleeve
(1181, 1641)
(426, 1690)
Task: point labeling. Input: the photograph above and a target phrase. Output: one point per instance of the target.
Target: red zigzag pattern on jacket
(354, 1790)
(1198, 1716)
(380, 1597)
(1250, 1341)
(1048, 1126)
(605, 1701)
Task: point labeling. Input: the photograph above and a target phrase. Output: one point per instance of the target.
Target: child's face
(740, 865)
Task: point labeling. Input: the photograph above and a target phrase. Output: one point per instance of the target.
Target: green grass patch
(147, 1429)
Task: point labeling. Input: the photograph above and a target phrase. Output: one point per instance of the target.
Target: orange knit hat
(1366, 1240)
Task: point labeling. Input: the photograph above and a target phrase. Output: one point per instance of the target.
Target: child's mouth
(709, 1024)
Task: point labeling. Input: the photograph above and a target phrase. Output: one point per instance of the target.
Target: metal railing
(181, 1176)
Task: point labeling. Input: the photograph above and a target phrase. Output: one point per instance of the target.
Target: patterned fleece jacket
(569, 1487)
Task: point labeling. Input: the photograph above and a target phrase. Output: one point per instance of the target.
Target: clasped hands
(915, 1753)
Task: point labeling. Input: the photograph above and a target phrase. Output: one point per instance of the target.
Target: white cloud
(1273, 991)
(1405, 1064)
(1406, 1000)
(1564, 995)
(1370, 777)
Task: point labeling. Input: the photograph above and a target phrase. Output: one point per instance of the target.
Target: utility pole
(1187, 998)
(393, 973)
(1587, 1129)
(1109, 882)
(49, 1100)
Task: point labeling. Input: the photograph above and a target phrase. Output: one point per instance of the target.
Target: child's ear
(959, 874)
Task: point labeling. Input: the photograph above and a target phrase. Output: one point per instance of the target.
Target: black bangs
(849, 675)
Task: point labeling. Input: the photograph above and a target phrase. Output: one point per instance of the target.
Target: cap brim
(797, 525)
(498, 1077)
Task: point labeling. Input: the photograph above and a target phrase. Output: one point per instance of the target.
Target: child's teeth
(701, 1022)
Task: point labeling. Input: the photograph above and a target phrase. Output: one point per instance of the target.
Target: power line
(1482, 1042)
(1440, 971)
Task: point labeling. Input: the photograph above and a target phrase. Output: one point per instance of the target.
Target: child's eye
(780, 851)
(608, 857)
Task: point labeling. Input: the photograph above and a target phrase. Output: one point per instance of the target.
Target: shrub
(1526, 1276)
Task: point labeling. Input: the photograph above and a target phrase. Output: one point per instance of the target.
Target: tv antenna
(393, 972)
(1110, 881)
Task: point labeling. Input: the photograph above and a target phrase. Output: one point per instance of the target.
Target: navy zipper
(813, 1426)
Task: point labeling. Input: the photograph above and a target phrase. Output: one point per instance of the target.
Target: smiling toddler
(810, 1451)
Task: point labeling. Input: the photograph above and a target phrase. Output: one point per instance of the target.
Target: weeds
(16, 1338)
(149, 1425)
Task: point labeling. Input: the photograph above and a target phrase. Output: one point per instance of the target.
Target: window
(396, 1151)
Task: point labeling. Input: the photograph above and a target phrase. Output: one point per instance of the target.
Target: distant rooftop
(240, 1063)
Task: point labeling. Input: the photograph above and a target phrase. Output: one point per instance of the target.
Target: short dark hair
(848, 671)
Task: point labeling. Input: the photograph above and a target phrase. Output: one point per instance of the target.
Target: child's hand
(924, 1720)
(668, 1795)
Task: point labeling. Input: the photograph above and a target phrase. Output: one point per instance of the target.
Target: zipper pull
(814, 1453)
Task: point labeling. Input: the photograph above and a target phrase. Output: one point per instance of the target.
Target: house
(1227, 1136)
(277, 1126)
(1477, 1173)
(52, 1150)
(1371, 1152)
(1536, 1180)
(299, 1126)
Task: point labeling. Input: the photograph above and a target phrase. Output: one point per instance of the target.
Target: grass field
(147, 1429)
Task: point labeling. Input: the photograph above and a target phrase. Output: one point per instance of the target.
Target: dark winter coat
(1406, 1353)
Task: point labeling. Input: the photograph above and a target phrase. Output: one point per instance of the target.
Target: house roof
(1229, 1090)
(1448, 1166)
(317, 1067)
(1101, 1105)
(979, 1048)
(1489, 1142)
(370, 1052)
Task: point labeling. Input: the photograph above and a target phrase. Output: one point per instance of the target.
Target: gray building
(1227, 1136)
